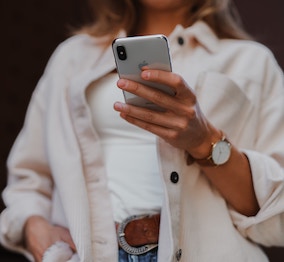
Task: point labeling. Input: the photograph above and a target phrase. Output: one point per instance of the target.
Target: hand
(182, 124)
(39, 235)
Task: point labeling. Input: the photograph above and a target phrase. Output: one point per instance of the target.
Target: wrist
(219, 153)
(205, 148)
(32, 223)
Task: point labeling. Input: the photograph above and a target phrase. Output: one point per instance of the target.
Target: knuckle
(193, 99)
(135, 86)
(147, 127)
(182, 125)
(156, 74)
(173, 135)
(149, 117)
(190, 113)
(177, 80)
(157, 96)
(127, 110)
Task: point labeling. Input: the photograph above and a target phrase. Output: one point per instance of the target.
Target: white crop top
(129, 153)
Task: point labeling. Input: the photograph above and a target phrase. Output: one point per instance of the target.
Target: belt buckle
(123, 243)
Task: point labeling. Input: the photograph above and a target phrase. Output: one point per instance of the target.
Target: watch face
(221, 152)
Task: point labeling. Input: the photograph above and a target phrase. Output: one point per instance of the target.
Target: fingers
(162, 119)
(65, 236)
(182, 121)
(151, 94)
(39, 235)
(35, 238)
(179, 103)
(175, 81)
(161, 131)
(163, 77)
(167, 126)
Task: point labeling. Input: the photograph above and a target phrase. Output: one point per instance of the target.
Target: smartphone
(132, 54)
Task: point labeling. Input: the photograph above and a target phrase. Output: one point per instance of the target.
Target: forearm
(233, 179)
(234, 182)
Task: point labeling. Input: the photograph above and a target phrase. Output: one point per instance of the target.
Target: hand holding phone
(132, 54)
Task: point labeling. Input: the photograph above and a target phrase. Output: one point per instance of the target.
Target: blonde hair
(110, 16)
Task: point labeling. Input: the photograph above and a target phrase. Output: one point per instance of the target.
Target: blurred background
(31, 30)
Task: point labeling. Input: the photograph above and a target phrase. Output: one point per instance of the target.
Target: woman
(81, 178)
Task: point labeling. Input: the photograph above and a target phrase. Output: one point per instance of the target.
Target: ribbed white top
(129, 153)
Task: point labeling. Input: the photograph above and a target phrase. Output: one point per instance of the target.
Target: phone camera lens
(121, 52)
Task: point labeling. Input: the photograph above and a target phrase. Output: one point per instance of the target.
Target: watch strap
(208, 161)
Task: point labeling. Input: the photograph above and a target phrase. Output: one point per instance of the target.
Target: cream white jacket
(56, 169)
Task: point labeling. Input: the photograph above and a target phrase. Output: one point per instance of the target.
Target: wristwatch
(219, 155)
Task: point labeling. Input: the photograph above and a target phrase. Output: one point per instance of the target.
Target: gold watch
(219, 155)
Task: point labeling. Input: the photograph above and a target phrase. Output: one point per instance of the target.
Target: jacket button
(174, 177)
(178, 255)
(180, 40)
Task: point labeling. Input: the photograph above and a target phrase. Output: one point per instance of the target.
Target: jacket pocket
(225, 104)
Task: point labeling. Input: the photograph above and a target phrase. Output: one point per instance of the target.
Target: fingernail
(145, 75)
(118, 106)
(121, 83)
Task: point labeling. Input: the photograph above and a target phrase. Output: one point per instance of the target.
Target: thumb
(68, 239)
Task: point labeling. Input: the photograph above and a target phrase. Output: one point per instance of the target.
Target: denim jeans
(150, 256)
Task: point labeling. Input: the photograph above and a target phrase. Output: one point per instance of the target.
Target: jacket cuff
(265, 227)
(12, 221)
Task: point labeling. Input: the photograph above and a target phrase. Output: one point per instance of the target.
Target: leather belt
(138, 234)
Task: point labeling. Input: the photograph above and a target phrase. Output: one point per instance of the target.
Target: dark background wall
(30, 31)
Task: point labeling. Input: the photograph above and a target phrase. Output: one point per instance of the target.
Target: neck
(159, 22)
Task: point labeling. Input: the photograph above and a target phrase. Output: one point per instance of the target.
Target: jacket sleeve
(267, 164)
(30, 184)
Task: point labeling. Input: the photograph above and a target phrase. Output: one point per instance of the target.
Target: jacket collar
(199, 33)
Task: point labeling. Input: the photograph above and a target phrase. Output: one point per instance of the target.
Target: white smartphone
(132, 53)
